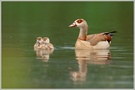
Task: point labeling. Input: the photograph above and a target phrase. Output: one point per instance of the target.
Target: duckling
(38, 43)
(46, 44)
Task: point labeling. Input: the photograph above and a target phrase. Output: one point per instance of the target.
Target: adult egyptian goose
(38, 43)
(93, 41)
(46, 44)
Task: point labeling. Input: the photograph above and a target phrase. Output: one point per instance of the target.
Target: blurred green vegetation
(23, 22)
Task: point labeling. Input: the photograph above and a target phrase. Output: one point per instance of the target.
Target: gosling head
(39, 40)
(46, 40)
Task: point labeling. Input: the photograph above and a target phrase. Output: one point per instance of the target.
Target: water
(23, 22)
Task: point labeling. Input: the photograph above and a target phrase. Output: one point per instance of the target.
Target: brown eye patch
(79, 20)
(39, 38)
(45, 38)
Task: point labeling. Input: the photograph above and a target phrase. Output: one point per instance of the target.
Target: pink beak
(73, 25)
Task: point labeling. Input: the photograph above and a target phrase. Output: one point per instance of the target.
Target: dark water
(23, 22)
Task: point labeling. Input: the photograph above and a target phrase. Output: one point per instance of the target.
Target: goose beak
(73, 25)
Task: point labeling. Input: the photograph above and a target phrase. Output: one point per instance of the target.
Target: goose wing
(95, 38)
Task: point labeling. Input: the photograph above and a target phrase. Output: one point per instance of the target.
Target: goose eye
(79, 21)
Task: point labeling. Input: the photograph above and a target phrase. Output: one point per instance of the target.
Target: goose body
(93, 41)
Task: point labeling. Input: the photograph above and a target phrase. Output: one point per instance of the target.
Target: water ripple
(64, 48)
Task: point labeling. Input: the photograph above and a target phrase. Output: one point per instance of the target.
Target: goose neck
(83, 33)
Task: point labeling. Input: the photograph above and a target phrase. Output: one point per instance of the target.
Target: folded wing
(95, 38)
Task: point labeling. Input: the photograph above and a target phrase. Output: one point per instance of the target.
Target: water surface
(23, 22)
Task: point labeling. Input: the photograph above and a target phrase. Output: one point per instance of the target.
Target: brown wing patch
(108, 38)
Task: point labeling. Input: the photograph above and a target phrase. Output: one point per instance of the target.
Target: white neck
(83, 32)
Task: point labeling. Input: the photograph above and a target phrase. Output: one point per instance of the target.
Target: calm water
(23, 22)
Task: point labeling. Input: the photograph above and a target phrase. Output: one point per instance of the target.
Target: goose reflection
(85, 57)
(80, 75)
(94, 56)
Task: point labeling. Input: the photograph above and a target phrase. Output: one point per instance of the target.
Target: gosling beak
(73, 25)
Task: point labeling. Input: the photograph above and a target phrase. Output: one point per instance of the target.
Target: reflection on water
(80, 75)
(43, 54)
(85, 57)
(94, 56)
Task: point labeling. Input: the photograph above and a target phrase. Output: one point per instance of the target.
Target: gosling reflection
(43, 54)
(86, 57)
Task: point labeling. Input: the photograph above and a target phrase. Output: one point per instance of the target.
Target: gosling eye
(39, 38)
(79, 21)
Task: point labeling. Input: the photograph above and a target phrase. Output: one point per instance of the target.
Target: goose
(93, 41)
(38, 43)
(46, 44)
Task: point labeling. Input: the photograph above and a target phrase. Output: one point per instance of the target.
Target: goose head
(80, 23)
(46, 40)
